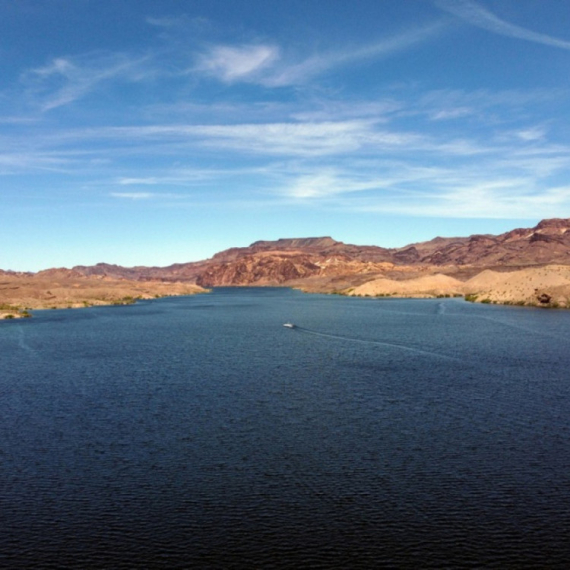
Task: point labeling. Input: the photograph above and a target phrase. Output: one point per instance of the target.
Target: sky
(149, 132)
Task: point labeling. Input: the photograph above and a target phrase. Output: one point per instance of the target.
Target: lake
(198, 432)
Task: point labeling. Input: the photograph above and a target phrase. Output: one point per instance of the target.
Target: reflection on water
(199, 432)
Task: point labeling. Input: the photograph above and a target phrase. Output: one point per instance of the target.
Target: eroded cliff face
(258, 270)
(277, 268)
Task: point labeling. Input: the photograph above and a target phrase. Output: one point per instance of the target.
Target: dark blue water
(199, 432)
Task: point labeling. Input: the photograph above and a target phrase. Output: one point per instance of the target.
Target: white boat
(289, 325)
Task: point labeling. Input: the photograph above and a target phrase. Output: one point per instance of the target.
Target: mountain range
(488, 267)
(324, 260)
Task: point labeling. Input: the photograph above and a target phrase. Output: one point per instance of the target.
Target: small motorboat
(289, 325)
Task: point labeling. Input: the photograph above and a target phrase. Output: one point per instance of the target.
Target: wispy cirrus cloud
(302, 139)
(461, 193)
(69, 78)
(182, 177)
(66, 79)
(518, 177)
(479, 16)
(299, 72)
(15, 162)
(145, 195)
(268, 65)
(359, 156)
(134, 195)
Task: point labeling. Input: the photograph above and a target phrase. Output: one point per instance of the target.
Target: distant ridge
(442, 266)
(292, 259)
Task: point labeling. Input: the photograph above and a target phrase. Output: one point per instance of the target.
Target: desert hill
(64, 288)
(290, 260)
(427, 285)
(524, 265)
(539, 286)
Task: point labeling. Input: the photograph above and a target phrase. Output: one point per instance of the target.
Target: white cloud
(302, 139)
(181, 177)
(505, 199)
(478, 16)
(326, 154)
(133, 195)
(532, 134)
(237, 63)
(32, 161)
(289, 138)
(451, 113)
(138, 181)
(266, 64)
(327, 183)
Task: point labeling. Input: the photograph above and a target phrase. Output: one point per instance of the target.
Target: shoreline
(27, 297)
(542, 287)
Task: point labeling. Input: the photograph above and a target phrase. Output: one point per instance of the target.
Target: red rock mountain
(294, 260)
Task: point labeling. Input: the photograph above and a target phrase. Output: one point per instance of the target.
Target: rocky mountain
(487, 267)
(547, 242)
(296, 260)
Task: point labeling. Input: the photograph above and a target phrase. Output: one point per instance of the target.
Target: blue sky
(146, 132)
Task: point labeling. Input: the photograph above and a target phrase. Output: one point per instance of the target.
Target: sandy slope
(70, 291)
(528, 285)
(549, 285)
(425, 286)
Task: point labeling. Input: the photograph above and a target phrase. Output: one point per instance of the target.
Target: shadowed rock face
(259, 270)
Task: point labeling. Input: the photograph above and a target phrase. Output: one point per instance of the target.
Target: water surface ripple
(199, 432)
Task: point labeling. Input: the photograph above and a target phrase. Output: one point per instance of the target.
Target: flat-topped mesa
(283, 244)
(294, 243)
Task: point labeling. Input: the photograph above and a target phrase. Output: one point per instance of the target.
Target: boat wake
(23, 344)
(530, 330)
(376, 342)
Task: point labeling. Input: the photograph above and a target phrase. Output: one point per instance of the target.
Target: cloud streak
(66, 79)
(134, 195)
(268, 65)
(476, 15)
